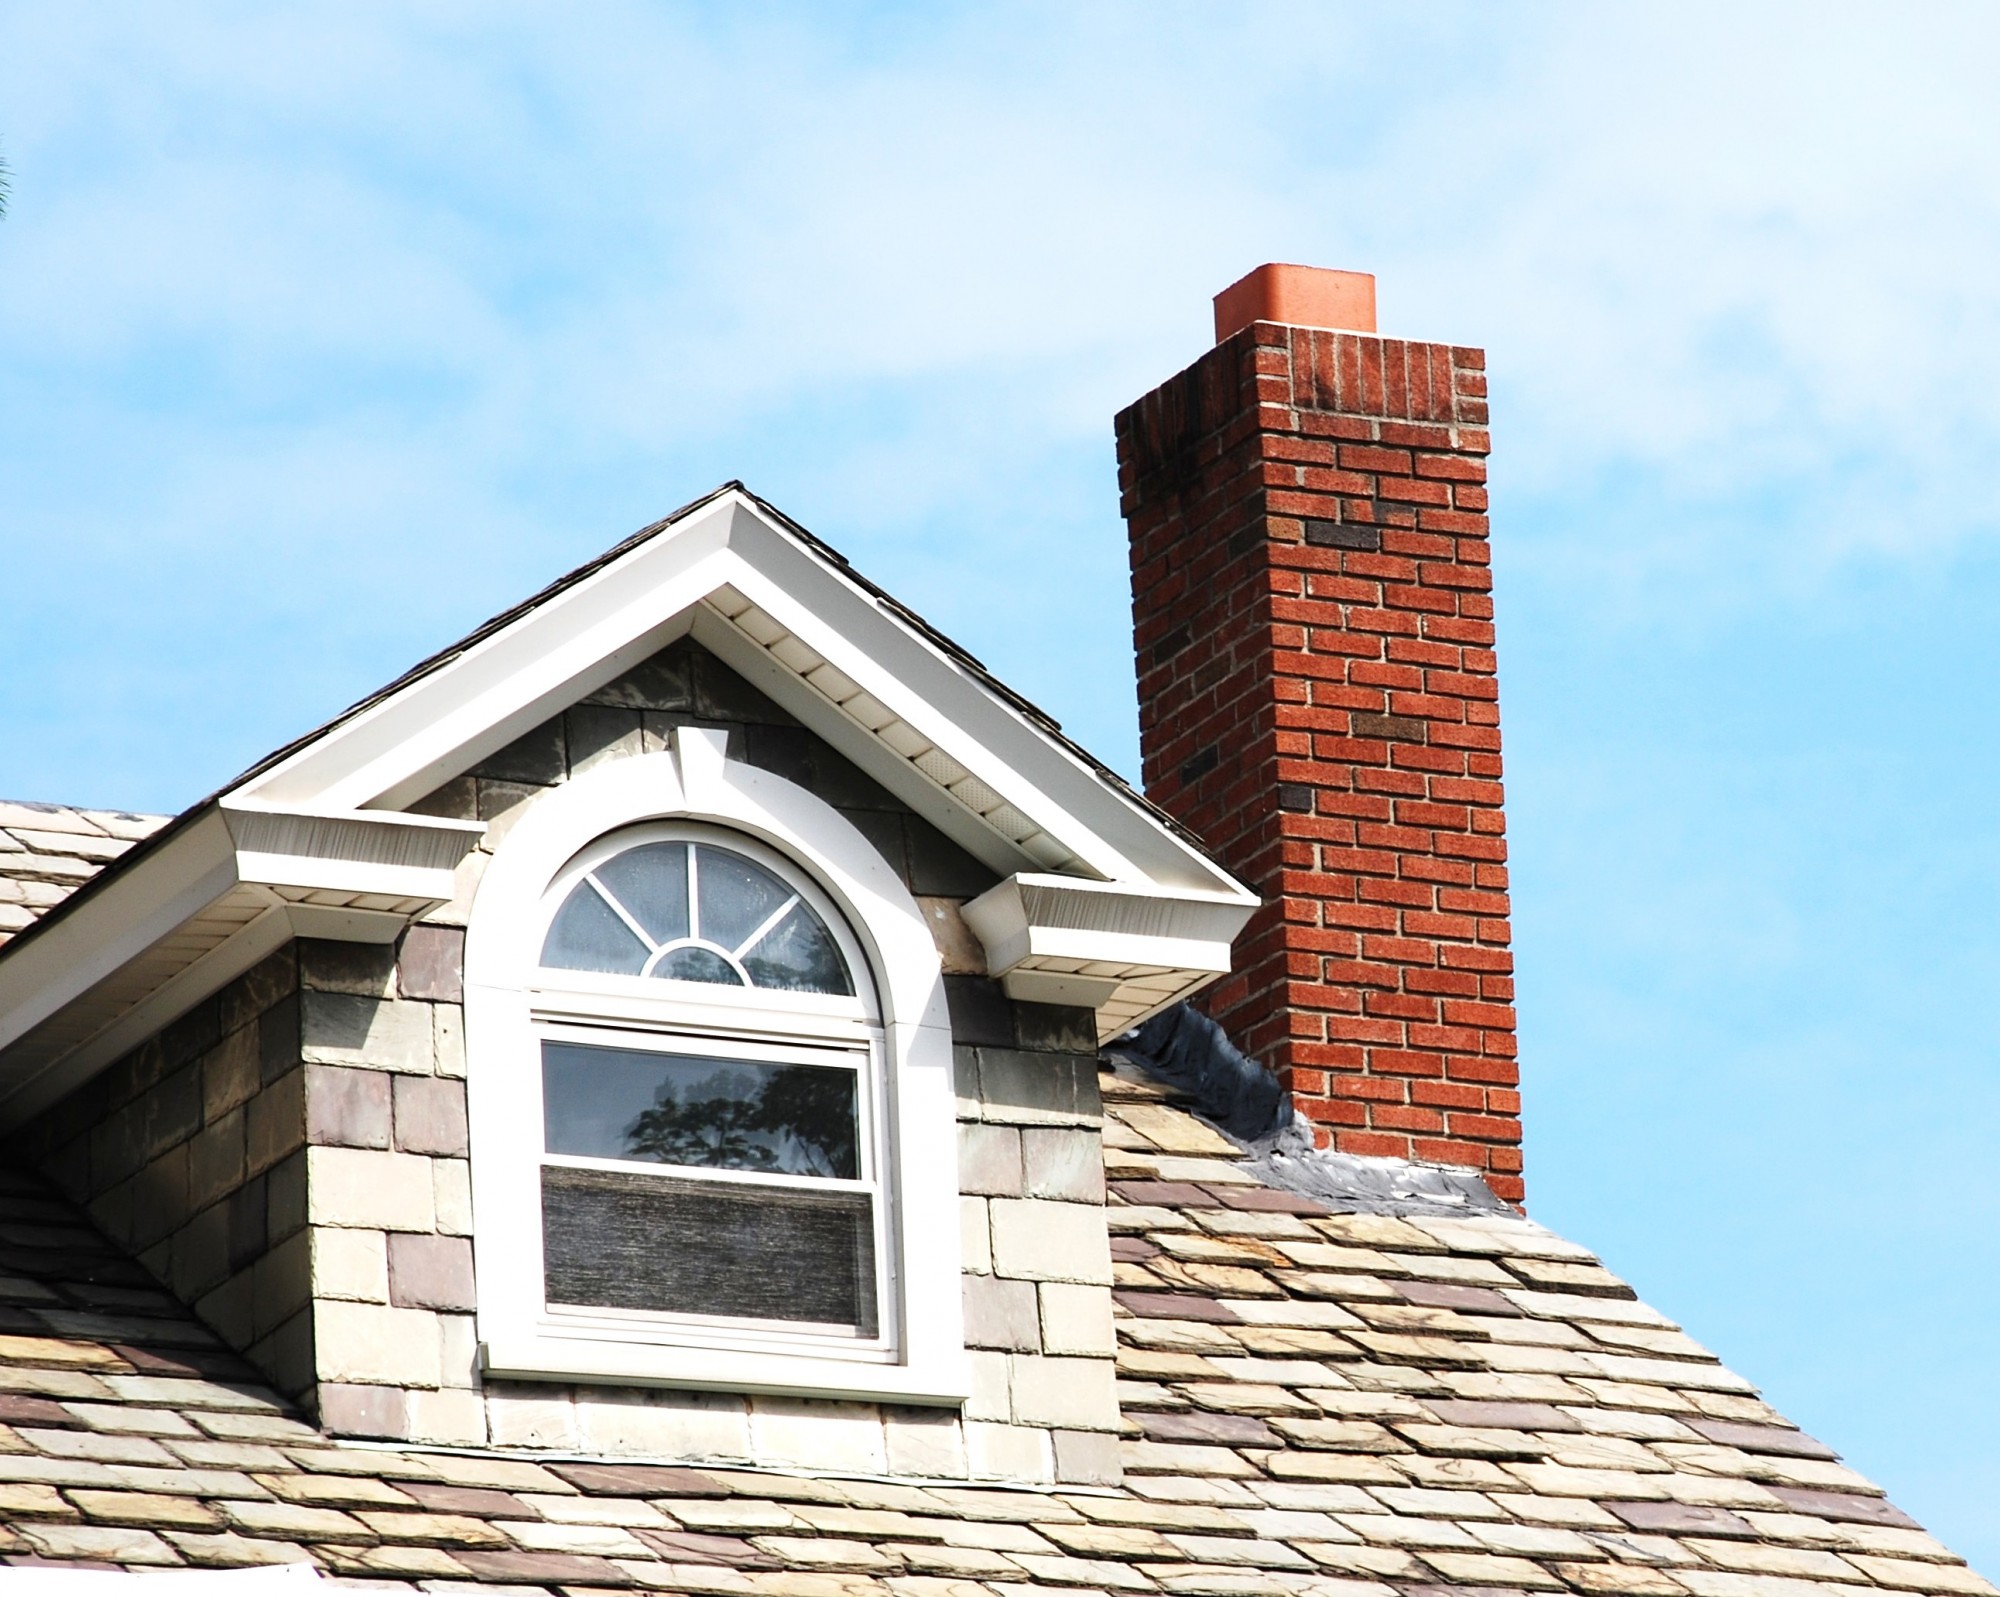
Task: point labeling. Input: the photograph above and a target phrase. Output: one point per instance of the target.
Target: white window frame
(899, 1018)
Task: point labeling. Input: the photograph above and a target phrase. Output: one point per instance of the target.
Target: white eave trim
(1125, 952)
(804, 630)
(246, 877)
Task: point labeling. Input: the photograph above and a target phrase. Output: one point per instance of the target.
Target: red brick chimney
(1317, 699)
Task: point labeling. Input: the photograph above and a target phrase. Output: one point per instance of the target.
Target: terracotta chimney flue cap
(1299, 296)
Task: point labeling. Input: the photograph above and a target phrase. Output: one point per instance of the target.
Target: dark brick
(980, 1012)
(377, 1411)
(724, 696)
(431, 964)
(1231, 1430)
(1339, 535)
(1163, 1194)
(430, 1115)
(939, 868)
(1684, 1519)
(1055, 1028)
(347, 1108)
(1447, 1295)
(1261, 1200)
(430, 1272)
(641, 1480)
(1175, 1306)
(662, 682)
(1502, 1416)
(1848, 1508)
(1395, 728)
(478, 1500)
(364, 970)
(278, 1039)
(1778, 1439)
(590, 729)
(537, 758)
(17, 1409)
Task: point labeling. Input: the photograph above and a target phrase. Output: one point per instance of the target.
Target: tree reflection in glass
(681, 1109)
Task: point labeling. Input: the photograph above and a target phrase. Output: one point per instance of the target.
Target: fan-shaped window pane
(588, 935)
(737, 897)
(693, 963)
(635, 915)
(798, 953)
(651, 881)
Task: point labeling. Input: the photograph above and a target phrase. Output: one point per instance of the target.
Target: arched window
(709, 1067)
(707, 1176)
(687, 910)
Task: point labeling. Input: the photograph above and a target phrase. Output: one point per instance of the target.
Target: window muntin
(695, 911)
(723, 1183)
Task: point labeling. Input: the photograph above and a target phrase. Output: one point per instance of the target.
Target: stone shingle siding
(339, 1069)
(190, 1153)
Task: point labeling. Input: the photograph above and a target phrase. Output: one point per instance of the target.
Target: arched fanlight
(695, 912)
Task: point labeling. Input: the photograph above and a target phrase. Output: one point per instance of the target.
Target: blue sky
(326, 331)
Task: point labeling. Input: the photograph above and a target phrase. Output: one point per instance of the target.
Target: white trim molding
(1123, 952)
(321, 827)
(232, 885)
(899, 1019)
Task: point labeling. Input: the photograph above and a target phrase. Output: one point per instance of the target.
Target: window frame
(897, 1020)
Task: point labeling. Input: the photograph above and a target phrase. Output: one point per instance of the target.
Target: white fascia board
(928, 691)
(1041, 917)
(848, 738)
(394, 752)
(574, 642)
(367, 851)
(407, 859)
(967, 719)
(120, 921)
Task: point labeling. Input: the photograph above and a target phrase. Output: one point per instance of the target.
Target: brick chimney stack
(1314, 629)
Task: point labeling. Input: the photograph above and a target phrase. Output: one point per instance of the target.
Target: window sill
(942, 1382)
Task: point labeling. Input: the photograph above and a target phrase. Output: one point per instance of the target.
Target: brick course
(1314, 637)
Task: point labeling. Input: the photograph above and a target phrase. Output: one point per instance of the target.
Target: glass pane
(625, 1240)
(697, 964)
(799, 953)
(738, 899)
(587, 935)
(683, 1109)
(736, 896)
(651, 881)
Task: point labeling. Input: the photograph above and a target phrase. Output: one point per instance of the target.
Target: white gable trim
(322, 825)
(234, 886)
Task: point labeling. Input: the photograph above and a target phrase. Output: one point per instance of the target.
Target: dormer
(663, 1023)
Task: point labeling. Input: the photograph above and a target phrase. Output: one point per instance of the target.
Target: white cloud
(349, 275)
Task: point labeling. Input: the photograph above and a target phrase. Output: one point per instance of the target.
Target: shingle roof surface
(48, 851)
(1322, 1405)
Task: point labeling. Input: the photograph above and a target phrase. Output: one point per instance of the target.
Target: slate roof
(48, 851)
(1317, 1405)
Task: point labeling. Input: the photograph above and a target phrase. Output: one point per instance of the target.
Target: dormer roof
(1103, 901)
